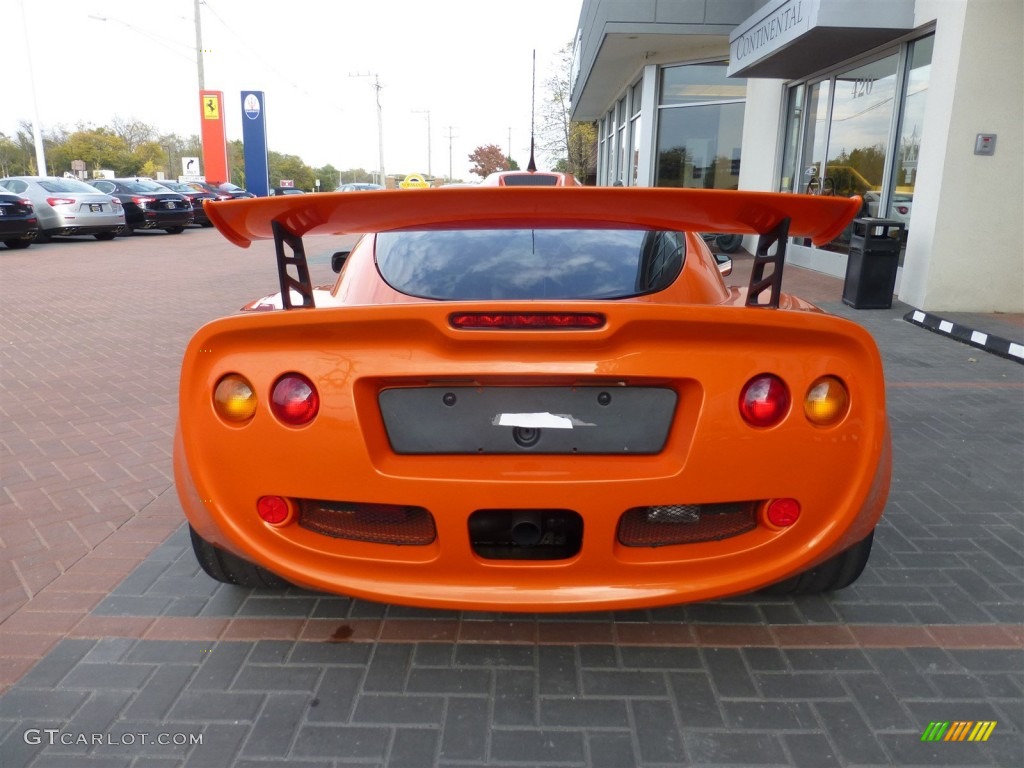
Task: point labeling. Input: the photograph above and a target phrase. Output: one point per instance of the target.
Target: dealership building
(915, 105)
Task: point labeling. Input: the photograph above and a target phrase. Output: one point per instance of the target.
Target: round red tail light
(273, 510)
(294, 401)
(782, 513)
(764, 401)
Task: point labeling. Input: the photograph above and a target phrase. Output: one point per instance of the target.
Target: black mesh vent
(375, 523)
(660, 526)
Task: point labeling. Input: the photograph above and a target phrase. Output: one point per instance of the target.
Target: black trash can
(873, 259)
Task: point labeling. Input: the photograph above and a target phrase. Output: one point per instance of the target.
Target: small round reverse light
(782, 513)
(234, 399)
(764, 401)
(273, 510)
(294, 400)
(826, 402)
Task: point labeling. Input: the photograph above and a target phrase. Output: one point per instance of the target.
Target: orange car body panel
(695, 338)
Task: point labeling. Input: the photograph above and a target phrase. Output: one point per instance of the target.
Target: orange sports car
(533, 399)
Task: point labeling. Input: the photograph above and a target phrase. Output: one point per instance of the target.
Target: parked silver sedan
(68, 206)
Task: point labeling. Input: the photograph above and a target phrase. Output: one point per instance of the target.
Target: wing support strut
(758, 282)
(292, 271)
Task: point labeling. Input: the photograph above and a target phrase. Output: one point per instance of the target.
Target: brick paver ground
(112, 635)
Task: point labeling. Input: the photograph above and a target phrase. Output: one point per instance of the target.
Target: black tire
(125, 232)
(42, 236)
(174, 230)
(729, 243)
(105, 235)
(14, 245)
(230, 569)
(835, 573)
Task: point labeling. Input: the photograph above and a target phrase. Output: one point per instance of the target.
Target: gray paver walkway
(114, 640)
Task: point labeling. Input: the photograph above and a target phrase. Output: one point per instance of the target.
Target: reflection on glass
(901, 197)
(695, 83)
(636, 152)
(529, 264)
(858, 139)
(815, 135)
(699, 147)
(794, 114)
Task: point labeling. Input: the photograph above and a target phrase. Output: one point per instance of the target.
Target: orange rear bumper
(839, 475)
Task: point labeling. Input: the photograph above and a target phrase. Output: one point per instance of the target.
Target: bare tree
(568, 145)
(134, 133)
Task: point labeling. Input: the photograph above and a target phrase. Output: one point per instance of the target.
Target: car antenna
(532, 166)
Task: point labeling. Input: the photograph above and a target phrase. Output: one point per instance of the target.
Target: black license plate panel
(515, 420)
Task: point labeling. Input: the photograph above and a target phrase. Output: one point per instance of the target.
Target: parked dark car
(148, 205)
(287, 191)
(359, 186)
(234, 190)
(68, 207)
(18, 222)
(222, 192)
(195, 197)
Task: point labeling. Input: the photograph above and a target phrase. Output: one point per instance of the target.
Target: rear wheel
(16, 244)
(835, 573)
(105, 235)
(231, 569)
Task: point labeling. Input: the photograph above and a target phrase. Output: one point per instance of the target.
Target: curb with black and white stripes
(996, 345)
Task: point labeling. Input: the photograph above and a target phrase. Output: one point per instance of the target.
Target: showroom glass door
(898, 203)
(841, 140)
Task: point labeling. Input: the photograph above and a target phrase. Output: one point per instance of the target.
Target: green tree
(236, 164)
(289, 167)
(99, 148)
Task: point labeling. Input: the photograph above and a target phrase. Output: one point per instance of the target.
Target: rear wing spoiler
(771, 215)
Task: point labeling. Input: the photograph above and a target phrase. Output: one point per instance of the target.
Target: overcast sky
(466, 61)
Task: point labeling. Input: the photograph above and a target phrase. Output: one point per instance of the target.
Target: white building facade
(915, 105)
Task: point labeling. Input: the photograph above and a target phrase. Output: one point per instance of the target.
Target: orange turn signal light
(827, 401)
(234, 399)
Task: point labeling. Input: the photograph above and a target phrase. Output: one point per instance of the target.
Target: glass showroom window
(621, 142)
(840, 135)
(634, 129)
(700, 127)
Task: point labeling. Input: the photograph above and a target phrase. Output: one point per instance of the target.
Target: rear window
(143, 185)
(465, 265)
(66, 185)
(530, 180)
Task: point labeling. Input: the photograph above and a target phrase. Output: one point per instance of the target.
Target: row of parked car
(36, 208)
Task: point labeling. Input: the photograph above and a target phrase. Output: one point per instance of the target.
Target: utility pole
(426, 112)
(37, 130)
(380, 122)
(451, 136)
(199, 46)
